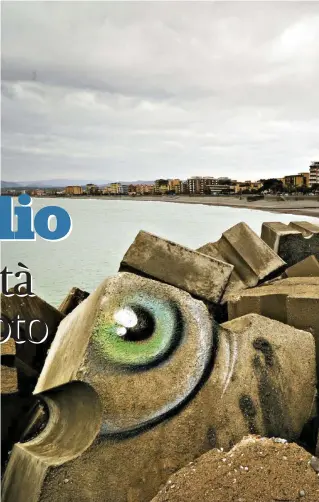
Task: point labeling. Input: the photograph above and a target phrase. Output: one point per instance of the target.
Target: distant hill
(9, 184)
(59, 183)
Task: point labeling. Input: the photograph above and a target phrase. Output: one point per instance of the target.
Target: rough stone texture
(26, 366)
(294, 301)
(293, 242)
(72, 300)
(14, 404)
(132, 440)
(253, 259)
(9, 378)
(255, 470)
(30, 308)
(309, 267)
(305, 227)
(108, 361)
(200, 275)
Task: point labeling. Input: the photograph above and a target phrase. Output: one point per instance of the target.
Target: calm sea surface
(103, 230)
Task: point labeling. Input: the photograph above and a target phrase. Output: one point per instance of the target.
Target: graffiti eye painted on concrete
(156, 367)
(149, 350)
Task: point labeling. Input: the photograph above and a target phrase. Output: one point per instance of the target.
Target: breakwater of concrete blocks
(188, 375)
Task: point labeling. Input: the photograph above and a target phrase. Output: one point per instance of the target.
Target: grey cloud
(142, 90)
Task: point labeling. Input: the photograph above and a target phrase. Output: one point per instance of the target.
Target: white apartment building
(314, 173)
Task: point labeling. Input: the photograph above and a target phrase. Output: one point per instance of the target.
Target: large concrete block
(9, 376)
(253, 260)
(72, 300)
(200, 275)
(309, 267)
(30, 308)
(153, 384)
(294, 301)
(15, 404)
(293, 242)
(256, 469)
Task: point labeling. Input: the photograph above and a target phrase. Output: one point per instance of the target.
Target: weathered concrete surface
(293, 242)
(253, 260)
(30, 308)
(200, 275)
(14, 403)
(26, 365)
(309, 267)
(250, 386)
(305, 227)
(294, 301)
(72, 300)
(235, 283)
(256, 469)
(9, 377)
(180, 333)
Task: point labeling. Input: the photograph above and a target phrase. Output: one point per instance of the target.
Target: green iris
(139, 331)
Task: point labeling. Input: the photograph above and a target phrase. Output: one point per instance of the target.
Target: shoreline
(301, 207)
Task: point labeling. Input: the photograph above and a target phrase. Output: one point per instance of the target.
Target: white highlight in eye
(126, 317)
(121, 331)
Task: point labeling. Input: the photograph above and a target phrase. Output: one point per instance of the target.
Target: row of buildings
(202, 185)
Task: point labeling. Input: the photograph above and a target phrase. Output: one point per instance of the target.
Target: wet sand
(308, 206)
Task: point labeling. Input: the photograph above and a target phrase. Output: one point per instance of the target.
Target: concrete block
(200, 275)
(9, 377)
(294, 301)
(30, 308)
(253, 260)
(14, 404)
(293, 242)
(303, 313)
(72, 300)
(305, 227)
(150, 399)
(309, 267)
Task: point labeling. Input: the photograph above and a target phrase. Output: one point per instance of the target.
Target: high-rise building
(184, 187)
(194, 185)
(314, 173)
(123, 189)
(201, 185)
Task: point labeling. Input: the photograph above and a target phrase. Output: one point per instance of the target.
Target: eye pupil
(140, 330)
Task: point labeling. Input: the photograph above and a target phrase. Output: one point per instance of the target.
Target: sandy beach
(308, 206)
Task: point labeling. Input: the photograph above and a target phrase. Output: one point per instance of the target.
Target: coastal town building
(314, 174)
(207, 185)
(247, 186)
(161, 186)
(73, 190)
(174, 185)
(116, 189)
(201, 185)
(183, 187)
(123, 189)
(91, 189)
(296, 181)
(38, 192)
(144, 189)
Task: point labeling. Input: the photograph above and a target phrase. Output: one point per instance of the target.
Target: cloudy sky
(142, 90)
